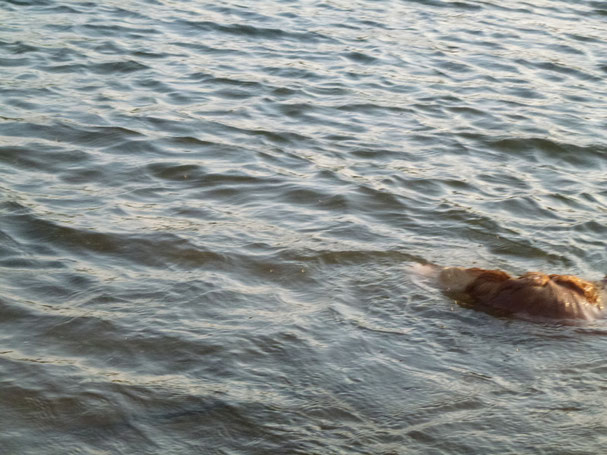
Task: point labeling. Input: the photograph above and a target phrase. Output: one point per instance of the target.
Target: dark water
(208, 210)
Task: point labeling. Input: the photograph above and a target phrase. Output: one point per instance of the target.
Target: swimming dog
(533, 294)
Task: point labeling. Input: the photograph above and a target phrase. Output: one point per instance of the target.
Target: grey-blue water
(208, 211)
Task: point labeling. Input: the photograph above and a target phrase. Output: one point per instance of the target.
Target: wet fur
(535, 294)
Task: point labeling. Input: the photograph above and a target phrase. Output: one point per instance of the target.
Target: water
(208, 211)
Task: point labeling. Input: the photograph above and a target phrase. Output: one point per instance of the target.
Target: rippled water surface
(208, 211)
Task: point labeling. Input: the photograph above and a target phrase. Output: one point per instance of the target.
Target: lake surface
(208, 212)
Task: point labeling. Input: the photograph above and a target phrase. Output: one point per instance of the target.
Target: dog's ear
(487, 284)
(496, 276)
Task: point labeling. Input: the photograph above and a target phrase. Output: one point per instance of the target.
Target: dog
(533, 294)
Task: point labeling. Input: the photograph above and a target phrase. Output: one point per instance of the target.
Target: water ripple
(207, 212)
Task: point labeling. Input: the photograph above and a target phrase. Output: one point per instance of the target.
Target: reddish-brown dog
(535, 294)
